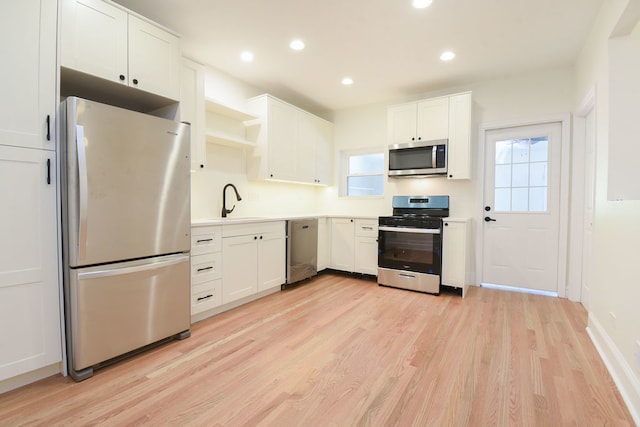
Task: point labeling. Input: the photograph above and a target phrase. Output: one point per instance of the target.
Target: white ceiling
(390, 49)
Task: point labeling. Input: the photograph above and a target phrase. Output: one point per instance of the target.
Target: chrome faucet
(226, 211)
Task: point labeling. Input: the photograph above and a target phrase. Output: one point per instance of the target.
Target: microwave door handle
(434, 156)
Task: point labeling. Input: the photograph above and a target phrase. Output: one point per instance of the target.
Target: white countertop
(247, 220)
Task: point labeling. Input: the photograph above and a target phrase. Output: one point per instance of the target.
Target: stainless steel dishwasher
(302, 249)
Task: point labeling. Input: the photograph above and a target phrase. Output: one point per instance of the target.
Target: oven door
(410, 249)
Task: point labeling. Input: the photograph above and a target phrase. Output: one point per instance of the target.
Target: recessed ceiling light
(246, 56)
(447, 55)
(421, 4)
(296, 44)
(347, 81)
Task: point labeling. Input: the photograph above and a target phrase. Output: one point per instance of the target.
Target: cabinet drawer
(206, 267)
(256, 228)
(206, 240)
(206, 295)
(366, 228)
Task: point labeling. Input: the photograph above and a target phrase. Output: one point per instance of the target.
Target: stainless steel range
(410, 243)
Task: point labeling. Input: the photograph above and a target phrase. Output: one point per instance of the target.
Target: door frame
(578, 196)
(565, 121)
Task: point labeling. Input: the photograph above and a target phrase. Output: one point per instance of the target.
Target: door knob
(488, 219)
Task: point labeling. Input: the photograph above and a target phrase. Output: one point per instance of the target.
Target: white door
(589, 198)
(522, 206)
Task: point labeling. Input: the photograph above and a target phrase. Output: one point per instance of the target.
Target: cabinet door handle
(48, 127)
(205, 297)
(135, 81)
(122, 77)
(204, 240)
(367, 228)
(204, 269)
(49, 171)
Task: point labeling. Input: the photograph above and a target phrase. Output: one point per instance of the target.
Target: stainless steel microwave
(418, 159)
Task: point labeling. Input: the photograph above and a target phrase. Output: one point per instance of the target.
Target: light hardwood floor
(338, 351)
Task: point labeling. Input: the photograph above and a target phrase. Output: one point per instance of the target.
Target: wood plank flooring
(339, 351)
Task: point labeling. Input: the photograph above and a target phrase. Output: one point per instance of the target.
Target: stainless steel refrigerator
(126, 231)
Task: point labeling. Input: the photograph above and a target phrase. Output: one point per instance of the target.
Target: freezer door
(121, 307)
(128, 186)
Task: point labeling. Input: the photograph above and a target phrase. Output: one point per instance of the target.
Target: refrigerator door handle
(82, 192)
(174, 259)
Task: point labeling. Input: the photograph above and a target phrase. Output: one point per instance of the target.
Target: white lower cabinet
(342, 244)
(455, 252)
(354, 245)
(30, 329)
(206, 268)
(240, 267)
(366, 246)
(324, 239)
(253, 259)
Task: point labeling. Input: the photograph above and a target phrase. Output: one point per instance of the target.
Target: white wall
(614, 317)
(228, 165)
(523, 97)
(615, 287)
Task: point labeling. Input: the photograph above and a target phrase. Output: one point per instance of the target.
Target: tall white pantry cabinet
(30, 323)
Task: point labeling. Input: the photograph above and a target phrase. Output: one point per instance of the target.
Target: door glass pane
(539, 174)
(520, 150)
(539, 149)
(502, 200)
(521, 175)
(503, 176)
(538, 199)
(503, 152)
(520, 199)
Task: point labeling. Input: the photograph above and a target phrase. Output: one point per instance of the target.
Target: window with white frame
(362, 173)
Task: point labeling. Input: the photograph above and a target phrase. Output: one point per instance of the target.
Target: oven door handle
(411, 230)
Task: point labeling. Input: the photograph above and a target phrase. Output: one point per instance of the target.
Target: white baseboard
(29, 377)
(627, 381)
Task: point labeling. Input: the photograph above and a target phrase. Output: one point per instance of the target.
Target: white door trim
(565, 120)
(576, 254)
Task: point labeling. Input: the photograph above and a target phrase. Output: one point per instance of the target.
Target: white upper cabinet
(447, 117)
(433, 119)
(426, 120)
(315, 148)
(154, 59)
(291, 144)
(192, 109)
(93, 38)
(28, 74)
(459, 162)
(402, 121)
(104, 40)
